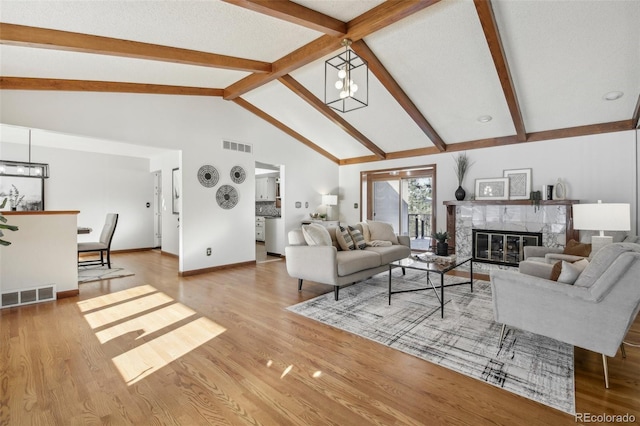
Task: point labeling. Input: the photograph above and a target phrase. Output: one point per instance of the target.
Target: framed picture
(176, 189)
(22, 193)
(492, 189)
(519, 183)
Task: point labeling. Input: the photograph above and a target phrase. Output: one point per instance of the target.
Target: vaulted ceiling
(539, 69)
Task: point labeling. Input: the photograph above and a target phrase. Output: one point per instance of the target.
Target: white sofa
(332, 265)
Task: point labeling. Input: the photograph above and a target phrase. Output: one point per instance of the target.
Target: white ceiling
(563, 57)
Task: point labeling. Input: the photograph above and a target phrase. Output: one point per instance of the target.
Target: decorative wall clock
(208, 176)
(227, 197)
(238, 174)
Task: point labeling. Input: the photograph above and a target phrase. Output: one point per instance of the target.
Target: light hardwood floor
(221, 349)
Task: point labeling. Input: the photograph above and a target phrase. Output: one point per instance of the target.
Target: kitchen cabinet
(260, 228)
(266, 189)
(274, 236)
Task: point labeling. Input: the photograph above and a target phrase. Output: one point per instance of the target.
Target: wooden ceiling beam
(593, 129)
(20, 35)
(329, 113)
(492, 35)
(20, 83)
(296, 14)
(392, 86)
(289, 131)
(375, 19)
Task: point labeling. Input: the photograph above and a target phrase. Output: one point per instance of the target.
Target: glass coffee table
(432, 265)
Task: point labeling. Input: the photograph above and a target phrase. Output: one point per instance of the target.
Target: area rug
(466, 340)
(98, 272)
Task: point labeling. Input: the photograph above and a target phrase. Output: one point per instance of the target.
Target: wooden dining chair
(103, 246)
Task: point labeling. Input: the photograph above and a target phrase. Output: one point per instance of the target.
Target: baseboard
(133, 250)
(215, 268)
(166, 253)
(68, 293)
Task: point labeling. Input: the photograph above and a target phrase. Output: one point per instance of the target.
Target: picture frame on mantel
(519, 183)
(492, 189)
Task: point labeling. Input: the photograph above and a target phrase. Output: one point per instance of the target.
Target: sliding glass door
(403, 198)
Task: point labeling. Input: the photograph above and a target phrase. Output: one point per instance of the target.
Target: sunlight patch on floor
(127, 309)
(143, 311)
(148, 323)
(146, 359)
(112, 298)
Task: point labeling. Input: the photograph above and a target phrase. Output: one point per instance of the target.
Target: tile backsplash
(267, 208)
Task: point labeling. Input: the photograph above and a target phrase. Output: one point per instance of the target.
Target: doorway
(405, 199)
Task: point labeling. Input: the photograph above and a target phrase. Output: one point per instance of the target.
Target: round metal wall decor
(238, 174)
(208, 176)
(227, 197)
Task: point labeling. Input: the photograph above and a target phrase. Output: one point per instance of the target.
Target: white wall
(196, 126)
(97, 184)
(597, 167)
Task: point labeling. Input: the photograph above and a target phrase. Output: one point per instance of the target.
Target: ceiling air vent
(235, 146)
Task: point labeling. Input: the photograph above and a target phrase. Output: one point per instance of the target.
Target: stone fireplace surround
(553, 218)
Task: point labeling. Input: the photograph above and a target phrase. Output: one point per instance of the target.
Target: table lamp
(329, 200)
(601, 217)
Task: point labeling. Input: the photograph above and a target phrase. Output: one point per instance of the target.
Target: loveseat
(324, 256)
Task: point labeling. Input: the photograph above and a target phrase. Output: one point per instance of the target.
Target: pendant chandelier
(24, 169)
(346, 80)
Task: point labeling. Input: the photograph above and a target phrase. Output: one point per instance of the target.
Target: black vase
(460, 194)
(442, 249)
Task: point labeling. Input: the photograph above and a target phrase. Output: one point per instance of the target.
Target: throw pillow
(576, 248)
(382, 231)
(358, 238)
(567, 273)
(365, 231)
(316, 235)
(344, 239)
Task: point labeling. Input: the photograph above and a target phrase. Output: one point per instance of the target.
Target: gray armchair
(595, 313)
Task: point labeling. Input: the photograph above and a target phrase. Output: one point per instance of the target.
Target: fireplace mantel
(452, 208)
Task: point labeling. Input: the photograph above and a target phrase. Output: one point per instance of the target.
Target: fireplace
(502, 247)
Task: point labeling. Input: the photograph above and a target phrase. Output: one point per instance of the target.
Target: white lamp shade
(602, 217)
(330, 200)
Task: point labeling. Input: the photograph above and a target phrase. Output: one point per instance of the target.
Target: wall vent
(235, 146)
(28, 296)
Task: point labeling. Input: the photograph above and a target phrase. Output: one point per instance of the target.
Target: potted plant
(442, 248)
(461, 166)
(3, 225)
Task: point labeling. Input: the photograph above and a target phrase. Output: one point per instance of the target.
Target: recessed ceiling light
(612, 96)
(485, 118)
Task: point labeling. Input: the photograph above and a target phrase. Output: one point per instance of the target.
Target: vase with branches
(15, 199)
(462, 163)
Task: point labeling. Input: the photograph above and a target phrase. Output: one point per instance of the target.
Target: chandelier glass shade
(346, 81)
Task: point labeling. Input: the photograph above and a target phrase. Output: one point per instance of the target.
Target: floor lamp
(601, 217)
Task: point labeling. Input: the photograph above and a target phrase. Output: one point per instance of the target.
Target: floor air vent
(28, 296)
(235, 146)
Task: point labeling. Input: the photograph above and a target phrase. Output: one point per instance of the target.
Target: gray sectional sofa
(332, 265)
